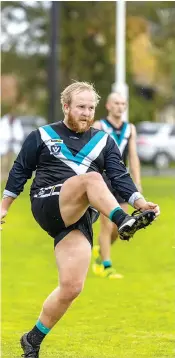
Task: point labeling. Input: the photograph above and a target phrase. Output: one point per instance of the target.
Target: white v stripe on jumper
(82, 161)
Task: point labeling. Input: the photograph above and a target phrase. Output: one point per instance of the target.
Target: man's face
(79, 115)
(116, 105)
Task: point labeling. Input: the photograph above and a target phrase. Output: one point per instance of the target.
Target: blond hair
(66, 95)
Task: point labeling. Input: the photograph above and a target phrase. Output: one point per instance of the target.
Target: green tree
(24, 52)
(160, 17)
(87, 50)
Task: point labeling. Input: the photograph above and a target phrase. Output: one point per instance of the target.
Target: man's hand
(151, 206)
(5, 205)
(142, 205)
(3, 214)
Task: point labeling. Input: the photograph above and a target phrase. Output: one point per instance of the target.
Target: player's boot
(135, 222)
(29, 350)
(111, 273)
(97, 266)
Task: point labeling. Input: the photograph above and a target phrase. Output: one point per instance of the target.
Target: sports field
(127, 318)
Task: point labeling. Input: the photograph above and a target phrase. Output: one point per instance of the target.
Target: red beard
(77, 126)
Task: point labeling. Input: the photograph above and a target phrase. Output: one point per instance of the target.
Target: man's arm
(21, 171)
(134, 162)
(121, 180)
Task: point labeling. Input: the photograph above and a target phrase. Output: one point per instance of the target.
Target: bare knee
(70, 290)
(92, 176)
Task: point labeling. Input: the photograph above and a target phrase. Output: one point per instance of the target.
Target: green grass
(128, 318)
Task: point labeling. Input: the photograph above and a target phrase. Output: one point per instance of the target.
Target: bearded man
(68, 158)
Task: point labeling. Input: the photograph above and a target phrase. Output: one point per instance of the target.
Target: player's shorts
(46, 211)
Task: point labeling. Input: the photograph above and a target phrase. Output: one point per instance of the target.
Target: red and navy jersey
(56, 153)
(120, 135)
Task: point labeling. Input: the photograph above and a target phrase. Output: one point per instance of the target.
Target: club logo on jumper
(55, 149)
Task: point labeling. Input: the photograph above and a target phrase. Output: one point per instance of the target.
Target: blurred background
(47, 44)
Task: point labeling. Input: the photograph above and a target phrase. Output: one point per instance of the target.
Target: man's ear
(107, 106)
(66, 108)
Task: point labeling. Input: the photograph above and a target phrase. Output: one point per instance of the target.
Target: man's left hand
(151, 206)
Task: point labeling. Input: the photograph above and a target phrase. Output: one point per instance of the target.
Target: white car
(156, 143)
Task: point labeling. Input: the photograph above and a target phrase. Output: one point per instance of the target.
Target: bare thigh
(73, 255)
(73, 200)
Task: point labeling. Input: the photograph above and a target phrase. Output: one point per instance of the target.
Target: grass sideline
(128, 318)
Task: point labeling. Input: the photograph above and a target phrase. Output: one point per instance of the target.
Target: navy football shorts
(46, 212)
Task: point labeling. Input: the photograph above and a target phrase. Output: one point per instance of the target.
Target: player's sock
(117, 216)
(107, 264)
(37, 334)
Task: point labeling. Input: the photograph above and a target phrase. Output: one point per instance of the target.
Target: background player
(124, 134)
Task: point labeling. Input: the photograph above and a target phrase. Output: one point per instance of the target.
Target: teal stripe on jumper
(122, 133)
(113, 211)
(107, 123)
(42, 328)
(113, 134)
(84, 152)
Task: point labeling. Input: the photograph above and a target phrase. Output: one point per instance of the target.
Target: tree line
(86, 52)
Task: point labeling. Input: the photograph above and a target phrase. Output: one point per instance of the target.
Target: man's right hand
(5, 204)
(3, 214)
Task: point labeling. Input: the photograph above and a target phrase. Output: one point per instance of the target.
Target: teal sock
(118, 208)
(42, 328)
(117, 215)
(37, 334)
(107, 263)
